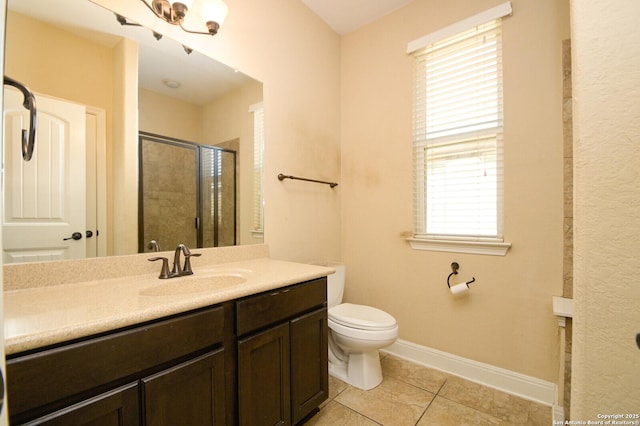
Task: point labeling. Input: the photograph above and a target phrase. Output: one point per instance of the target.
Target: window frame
(452, 242)
(257, 110)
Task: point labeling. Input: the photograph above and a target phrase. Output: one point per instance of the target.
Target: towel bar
(283, 177)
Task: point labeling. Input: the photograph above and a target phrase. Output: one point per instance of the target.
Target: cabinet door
(191, 393)
(309, 364)
(119, 407)
(38, 381)
(263, 378)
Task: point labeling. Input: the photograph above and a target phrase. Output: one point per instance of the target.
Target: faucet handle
(164, 273)
(187, 263)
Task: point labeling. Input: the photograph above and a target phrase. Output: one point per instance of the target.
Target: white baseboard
(517, 384)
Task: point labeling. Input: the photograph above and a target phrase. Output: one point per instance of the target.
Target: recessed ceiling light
(172, 84)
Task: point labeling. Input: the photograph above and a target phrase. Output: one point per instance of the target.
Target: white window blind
(458, 158)
(258, 160)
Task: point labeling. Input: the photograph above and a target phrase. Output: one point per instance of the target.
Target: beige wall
(51, 65)
(123, 164)
(228, 119)
(169, 117)
(507, 319)
(301, 77)
(606, 93)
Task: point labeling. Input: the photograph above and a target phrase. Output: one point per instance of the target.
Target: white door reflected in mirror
(39, 214)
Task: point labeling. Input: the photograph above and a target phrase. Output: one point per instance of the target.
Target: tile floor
(414, 395)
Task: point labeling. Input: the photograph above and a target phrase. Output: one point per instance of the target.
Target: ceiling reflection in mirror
(72, 53)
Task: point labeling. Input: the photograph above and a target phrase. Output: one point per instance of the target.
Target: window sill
(257, 233)
(492, 248)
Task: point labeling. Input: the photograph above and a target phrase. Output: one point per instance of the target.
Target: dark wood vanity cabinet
(309, 363)
(282, 354)
(192, 393)
(117, 407)
(264, 396)
(150, 374)
(259, 360)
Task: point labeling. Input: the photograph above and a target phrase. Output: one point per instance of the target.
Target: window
(258, 160)
(457, 142)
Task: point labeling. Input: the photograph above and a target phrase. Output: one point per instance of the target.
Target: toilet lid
(361, 317)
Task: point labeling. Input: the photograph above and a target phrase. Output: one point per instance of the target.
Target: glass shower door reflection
(169, 194)
(187, 194)
(218, 196)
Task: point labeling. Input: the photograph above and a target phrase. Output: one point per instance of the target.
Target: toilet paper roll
(459, 289)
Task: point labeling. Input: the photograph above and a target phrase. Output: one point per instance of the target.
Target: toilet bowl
(356, 333)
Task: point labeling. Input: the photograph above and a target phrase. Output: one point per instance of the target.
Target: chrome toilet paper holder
(454, 271)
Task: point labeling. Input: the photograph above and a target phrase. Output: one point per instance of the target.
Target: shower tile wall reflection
(169, 194)
(188, 193)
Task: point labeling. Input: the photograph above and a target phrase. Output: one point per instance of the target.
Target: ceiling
(158, 60)
(345, 16)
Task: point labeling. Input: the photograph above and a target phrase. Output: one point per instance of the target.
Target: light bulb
(214, 10)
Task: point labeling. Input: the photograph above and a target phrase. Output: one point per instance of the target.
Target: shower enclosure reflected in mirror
(188, 194)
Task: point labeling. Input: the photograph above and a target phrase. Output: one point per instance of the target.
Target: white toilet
(356, 332)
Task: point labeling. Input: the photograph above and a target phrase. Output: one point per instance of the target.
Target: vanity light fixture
(213, 13)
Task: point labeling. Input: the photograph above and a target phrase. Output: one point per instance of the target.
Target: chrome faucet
(178, 270)
(153, 245)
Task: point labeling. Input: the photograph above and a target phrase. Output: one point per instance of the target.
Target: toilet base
(362, 370)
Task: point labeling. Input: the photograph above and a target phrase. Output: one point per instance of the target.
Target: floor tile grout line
(411, 381)
(490, 413)
(358, 412)
(413, 385)
(478, 409)
(442, 386)
(400, 379)
(435, 395)
(348, 386)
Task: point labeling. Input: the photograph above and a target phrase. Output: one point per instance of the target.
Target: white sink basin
(199, 282)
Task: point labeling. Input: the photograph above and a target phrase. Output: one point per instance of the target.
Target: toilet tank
(335, 284)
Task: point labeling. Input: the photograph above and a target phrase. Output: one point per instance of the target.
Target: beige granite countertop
(43, 314)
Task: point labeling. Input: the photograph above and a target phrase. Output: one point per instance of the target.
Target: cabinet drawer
(278, 305)
(119, 407)
(56, 375)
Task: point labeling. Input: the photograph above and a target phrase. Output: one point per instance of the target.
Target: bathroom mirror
(65, 50)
